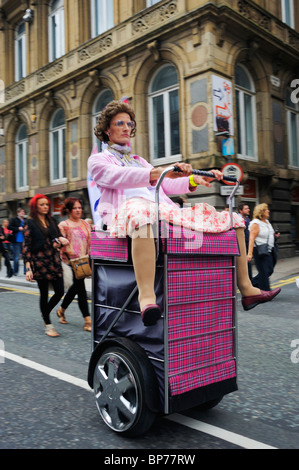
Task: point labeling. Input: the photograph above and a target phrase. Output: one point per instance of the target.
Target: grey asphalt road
(39, 411)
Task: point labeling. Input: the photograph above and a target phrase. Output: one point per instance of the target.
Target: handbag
(81, 267)
(263, 250)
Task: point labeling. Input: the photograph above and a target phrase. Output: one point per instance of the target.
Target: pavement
(20, 279)
(287, 267)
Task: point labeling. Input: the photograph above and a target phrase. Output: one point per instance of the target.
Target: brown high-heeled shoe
(61, 317)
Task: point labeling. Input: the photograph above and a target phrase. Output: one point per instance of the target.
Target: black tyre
(121, 395)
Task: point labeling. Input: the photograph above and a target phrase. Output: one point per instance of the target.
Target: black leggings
(77, 288)
(46, 306)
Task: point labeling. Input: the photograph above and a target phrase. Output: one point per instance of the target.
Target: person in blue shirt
(16, 224)
(244, 211)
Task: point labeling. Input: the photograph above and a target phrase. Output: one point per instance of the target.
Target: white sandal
(50, 331)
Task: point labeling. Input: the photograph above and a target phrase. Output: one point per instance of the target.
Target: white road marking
(46, 370)
(220, 433)
(228, 436)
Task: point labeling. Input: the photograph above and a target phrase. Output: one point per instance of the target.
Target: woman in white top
(262, 232)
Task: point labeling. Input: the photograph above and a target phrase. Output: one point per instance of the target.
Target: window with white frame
(102, 16)
(57, 148)
(287, 10)
(20, 52)
(56, 30)
(149, 3)
(246, 113)
(22, 159)
(164, 119)
(101, 101)
(293, 129)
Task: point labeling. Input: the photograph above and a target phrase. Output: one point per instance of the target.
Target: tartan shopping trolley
(189, 357)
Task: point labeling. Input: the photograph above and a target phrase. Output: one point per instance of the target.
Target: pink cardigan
(112, 178)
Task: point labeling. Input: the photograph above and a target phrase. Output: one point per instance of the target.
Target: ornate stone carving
(14, 90)
(253, 14)
(103, 44)
(154, 17)
(50, 72)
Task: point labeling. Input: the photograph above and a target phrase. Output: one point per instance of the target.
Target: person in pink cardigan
(127, 206)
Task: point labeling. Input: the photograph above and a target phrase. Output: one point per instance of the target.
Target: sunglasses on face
(130, 124)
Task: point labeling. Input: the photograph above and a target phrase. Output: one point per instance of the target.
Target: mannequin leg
(243, 281)
(144, 261)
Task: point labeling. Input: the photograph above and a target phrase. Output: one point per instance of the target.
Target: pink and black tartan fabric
(102, 246)
(177, 239)
(201, 296)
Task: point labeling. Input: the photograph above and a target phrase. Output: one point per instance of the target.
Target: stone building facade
(201, 76)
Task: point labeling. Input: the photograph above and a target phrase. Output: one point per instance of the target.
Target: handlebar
(207, 174)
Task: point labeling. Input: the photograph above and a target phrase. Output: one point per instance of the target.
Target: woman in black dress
(42, 240)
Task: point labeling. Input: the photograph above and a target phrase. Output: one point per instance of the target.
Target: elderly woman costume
(127, 206)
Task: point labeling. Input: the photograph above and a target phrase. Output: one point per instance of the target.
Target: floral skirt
(137, 212)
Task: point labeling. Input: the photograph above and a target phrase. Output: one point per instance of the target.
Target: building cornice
(242, 17)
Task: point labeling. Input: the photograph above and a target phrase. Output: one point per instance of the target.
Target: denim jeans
(17, 249)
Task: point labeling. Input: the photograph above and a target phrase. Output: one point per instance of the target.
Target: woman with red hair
(42, 240)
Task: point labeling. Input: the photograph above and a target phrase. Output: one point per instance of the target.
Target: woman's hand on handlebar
(205, 181)
(186, 170)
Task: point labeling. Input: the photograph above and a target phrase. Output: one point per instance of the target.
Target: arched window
(56, 30)
(292, 109)
(101, 101)
(246, 114)
(20, 52)
(57, 147)
(164, 120)
(102, 16)
(22, 159)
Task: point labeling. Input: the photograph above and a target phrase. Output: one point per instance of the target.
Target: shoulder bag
(80, 266)
(263, 249)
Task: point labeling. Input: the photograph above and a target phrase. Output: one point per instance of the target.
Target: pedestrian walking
(5, 253)
(77, 232)
(262, 246)
(42, 240)
(16, 225)
(8, 237)
(244, 211)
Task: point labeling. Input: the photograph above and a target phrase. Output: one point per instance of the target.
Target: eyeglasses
(130, 124)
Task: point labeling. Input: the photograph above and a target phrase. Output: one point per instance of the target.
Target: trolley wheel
(121, 395)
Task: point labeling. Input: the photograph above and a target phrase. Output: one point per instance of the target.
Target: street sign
(228, 147)
(226, 190)
(232, 169)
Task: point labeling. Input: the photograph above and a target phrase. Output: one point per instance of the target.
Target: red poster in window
(250, 190)
(57, 204)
